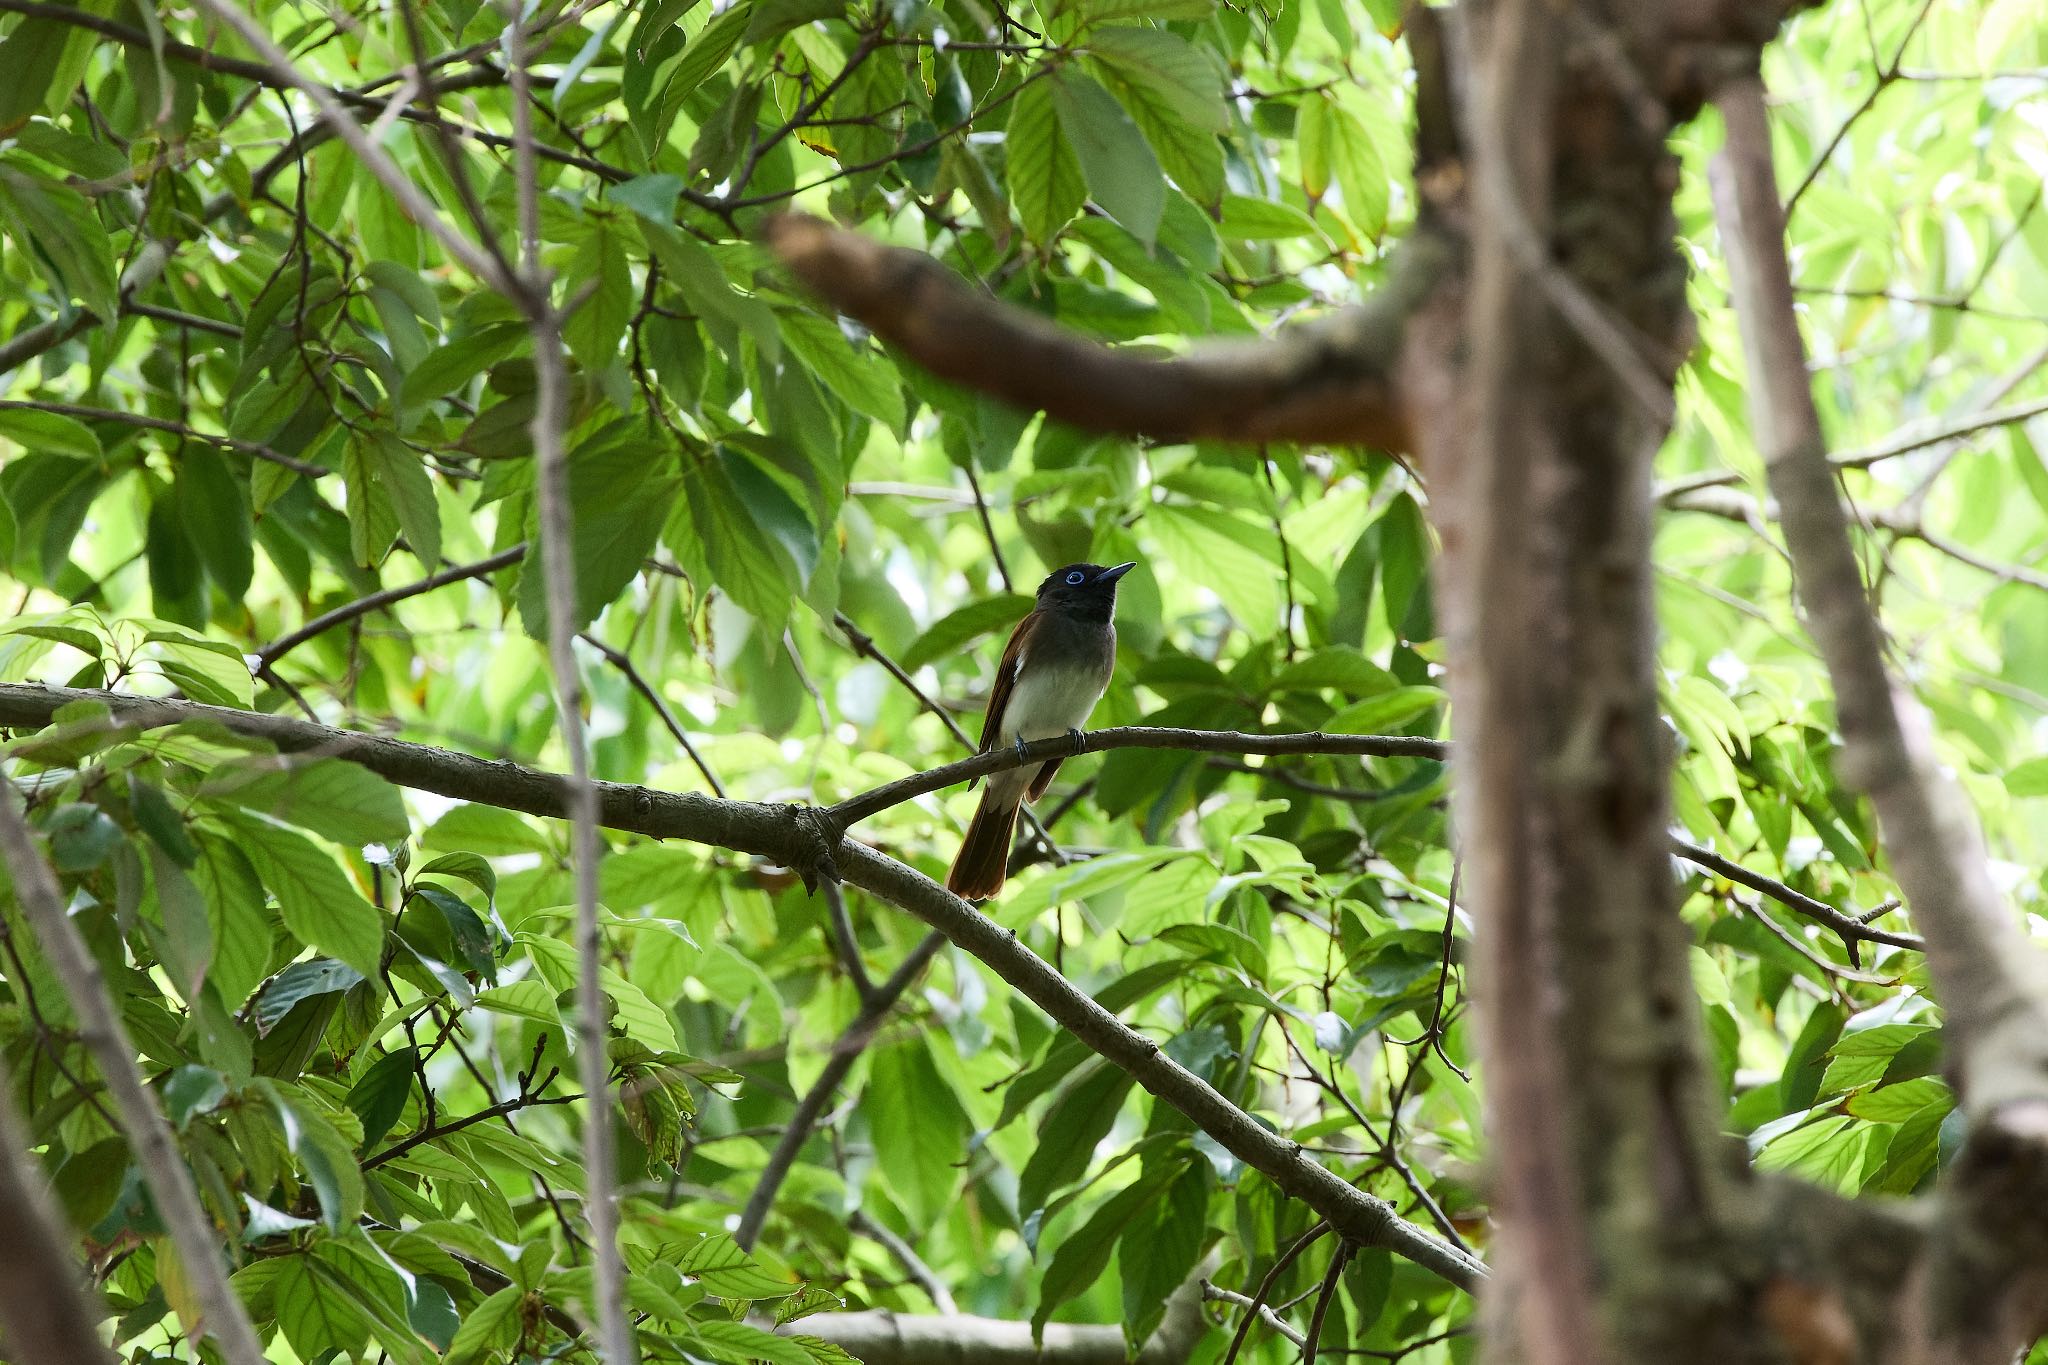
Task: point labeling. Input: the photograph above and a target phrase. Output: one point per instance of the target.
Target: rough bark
(1537, 449)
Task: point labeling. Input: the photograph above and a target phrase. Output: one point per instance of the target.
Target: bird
(1055, 668)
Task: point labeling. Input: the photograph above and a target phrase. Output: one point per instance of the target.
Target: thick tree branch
(804, 839)
(1331, 380)
(192, 1233)
(1992, 982)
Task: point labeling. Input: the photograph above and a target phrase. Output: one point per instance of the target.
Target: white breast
(1043, 703)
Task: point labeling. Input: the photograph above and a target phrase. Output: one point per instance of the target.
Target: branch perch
(1332, 380)
(793, 837)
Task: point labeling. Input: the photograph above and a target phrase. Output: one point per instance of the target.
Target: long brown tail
(985, 856)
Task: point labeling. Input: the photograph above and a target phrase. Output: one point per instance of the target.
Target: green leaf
(600, 275)
(69, 245)
(724, 1268)
(709, 50)
(1116, 162)
(324, 1154)
(318, 903)
(639, 1016)
(379, 1098)
(342, 801)
(301, 981)
(81, 836)
(747, 565)
(461, 360)
(489, 1328)
(1261, 220)
(2028, 779)
(865, 380)
(1045, 178)
(1080, 1257)
(620, 489)
(918, 1129)
(1159, 1248)
(389, 492)
(954, 632)
(49, 431)
(1079, 1118)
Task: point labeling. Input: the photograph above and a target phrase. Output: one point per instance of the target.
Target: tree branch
(853, 1040)
(1993, 983)
(800, 838)
(857, 808)
(1332, 380)
(269, 654)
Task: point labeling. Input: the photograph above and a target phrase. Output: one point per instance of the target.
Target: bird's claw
(1075, 737)
(1020, 748)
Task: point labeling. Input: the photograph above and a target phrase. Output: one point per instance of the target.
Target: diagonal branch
(853, 1040)
(1332, 380)
(1993, 983)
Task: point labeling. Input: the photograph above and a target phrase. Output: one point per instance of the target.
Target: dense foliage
(244, 390)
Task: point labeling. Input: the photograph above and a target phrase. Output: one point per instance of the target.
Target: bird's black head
(1087, 591)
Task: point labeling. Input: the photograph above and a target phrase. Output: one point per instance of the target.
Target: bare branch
(363, 606)
(1330, 380)
(857, 808)
(149, 1137)
(1993, 983)
(531, 290)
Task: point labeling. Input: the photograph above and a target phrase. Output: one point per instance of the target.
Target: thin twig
(269, 654)
(620, 660)
(853, 1040)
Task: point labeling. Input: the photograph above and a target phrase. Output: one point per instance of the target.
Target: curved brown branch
(1331, 380)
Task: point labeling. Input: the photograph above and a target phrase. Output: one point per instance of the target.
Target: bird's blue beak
(1112, 574)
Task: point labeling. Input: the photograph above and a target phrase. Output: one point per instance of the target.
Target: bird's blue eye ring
(1077, 577)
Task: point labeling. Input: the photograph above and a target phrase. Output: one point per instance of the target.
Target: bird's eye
(1077, 578)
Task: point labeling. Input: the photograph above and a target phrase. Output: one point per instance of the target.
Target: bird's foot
(1020, 748)
(1076, 738)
